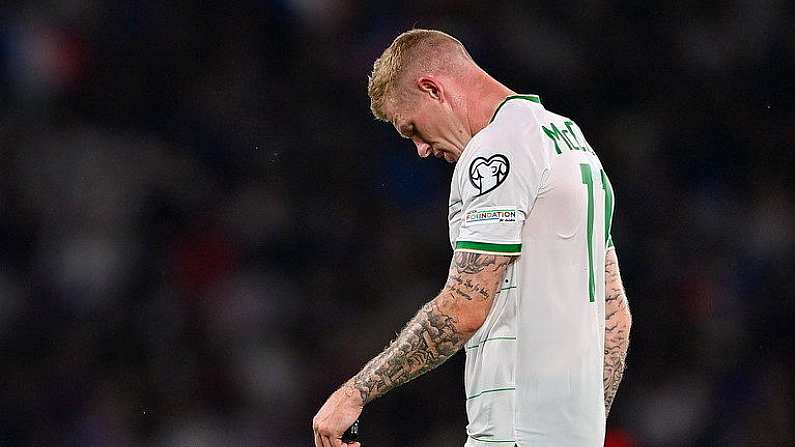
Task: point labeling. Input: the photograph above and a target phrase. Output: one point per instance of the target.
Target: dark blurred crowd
(203, 231)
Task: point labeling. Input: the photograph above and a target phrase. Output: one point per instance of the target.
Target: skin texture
(437, 331)
(441, 110)
(618, 322)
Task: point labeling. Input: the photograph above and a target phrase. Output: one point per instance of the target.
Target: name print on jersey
(485, 174)
(567, 134)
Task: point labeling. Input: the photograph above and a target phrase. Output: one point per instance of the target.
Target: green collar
(531, 98)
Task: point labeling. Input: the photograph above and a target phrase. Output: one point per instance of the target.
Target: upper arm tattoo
(614, 290)
(468, 262)
(489, 269)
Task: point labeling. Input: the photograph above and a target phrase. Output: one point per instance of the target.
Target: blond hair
(399, 56)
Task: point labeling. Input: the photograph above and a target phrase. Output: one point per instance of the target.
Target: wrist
(354, 393)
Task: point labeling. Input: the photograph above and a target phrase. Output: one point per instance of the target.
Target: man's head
(422, 84)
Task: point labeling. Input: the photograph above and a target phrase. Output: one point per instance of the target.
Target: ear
(431, 87)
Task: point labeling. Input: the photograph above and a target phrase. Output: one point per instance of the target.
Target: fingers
(326, 441)
(333, 441)
(334, 417)
(322, 436)
(321, 439)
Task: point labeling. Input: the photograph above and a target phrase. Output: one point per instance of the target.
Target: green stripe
(587, 179)
(490, 440)
(531, 98)
(500, 248)
(489, 339)
(510, 388)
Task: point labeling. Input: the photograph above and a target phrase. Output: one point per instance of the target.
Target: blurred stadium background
(203, 231)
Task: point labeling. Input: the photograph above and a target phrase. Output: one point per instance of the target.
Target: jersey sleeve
(499, 185)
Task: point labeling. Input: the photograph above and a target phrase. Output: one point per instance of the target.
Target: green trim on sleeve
(486, 247)
(531, 98)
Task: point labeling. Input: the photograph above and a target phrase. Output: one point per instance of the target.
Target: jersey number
(587, 179)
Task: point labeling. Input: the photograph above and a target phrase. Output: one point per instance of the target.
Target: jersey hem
(491, 441)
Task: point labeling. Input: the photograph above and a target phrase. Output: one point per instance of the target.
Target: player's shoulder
(513, 120)
(508, 134)
(491, 145)
(517, 110)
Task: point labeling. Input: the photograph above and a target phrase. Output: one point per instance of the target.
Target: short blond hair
(395, 60)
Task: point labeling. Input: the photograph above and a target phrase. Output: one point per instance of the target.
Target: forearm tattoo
(436, 332)
(617, 325)
(427, 341)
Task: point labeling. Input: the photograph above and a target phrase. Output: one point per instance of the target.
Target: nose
(423, 149)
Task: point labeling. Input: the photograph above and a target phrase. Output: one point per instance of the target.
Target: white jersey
(529, 184)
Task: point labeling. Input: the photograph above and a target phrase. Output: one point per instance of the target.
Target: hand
(339, 412)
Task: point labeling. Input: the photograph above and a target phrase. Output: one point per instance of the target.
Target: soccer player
(534, 295)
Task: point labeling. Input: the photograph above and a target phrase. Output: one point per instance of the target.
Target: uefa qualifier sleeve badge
(486, 174)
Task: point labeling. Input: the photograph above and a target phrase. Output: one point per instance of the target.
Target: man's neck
(487, 96)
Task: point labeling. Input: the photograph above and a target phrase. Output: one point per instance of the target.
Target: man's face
(432, 127)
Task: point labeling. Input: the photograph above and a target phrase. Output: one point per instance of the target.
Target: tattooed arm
(440, 328)
(436, 332)
(618, 322)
